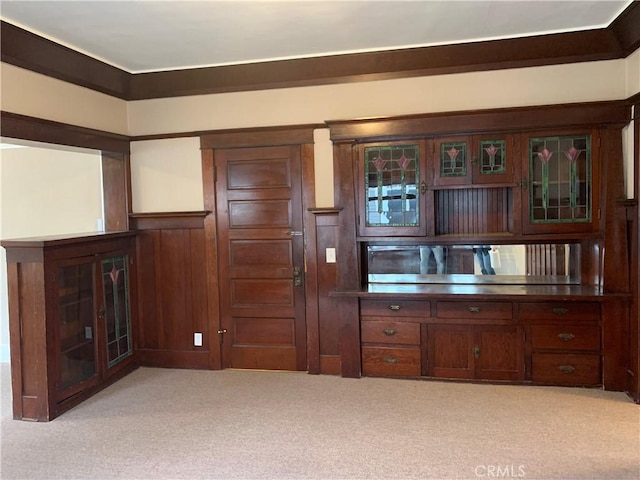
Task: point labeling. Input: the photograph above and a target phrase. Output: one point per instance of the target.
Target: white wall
(29, 93)
(167, 175)
(590, 81)
(45, 192)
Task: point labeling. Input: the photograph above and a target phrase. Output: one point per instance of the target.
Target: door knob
(297, 277)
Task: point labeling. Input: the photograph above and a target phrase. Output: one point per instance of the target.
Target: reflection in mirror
(534, 263)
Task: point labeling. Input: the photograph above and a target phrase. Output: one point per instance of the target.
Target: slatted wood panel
(173, 298)
(546, 259)
(472, 211)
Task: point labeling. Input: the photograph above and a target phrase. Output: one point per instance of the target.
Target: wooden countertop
(64, 239)
(479, 288)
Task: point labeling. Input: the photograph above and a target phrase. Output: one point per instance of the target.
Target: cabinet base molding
(330, 364)
(174, 359)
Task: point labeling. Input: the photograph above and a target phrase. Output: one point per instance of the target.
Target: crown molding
(32, 52)
(27, 50)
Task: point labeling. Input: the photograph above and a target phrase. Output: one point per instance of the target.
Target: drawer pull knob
(567, 368)
(474, 309)
(391, 360)
(560, 311)
(389, 332)
(394, 307)
(565, 337)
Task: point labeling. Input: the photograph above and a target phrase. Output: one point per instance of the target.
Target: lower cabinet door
(566, 369)
(450, 351)
(500, 354)
(391, 361)
(482, 352)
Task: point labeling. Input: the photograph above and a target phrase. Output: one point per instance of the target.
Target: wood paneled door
(261, 257)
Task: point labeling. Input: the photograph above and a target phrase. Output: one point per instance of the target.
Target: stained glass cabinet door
(451, 160)
(474, 160)
(392, 189)
(562, 170)
(115, 312)
(494, 159)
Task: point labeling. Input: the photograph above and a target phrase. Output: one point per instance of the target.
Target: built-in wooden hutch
(72, 307)
(484, 245)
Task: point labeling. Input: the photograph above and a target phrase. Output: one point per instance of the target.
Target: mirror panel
(508, 263)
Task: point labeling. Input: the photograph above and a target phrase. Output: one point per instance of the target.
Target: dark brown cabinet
(486, 352)
(564, 339)
(392, 190)
(391, 337)
(465, 340)
(544, 342)
(478, 341)
(71, 316)
(517, 240)
(463, 161)
(543, 182)
(561, 179)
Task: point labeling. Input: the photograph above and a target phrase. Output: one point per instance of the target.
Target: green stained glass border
(108, 282)
(579, 213)
(493, 157)
(453, 159)
(390, 175)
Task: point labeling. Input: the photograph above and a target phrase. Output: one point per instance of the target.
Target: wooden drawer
(565, 337)
(585, 311)
(566, 369)
(395, 308)
(405, 333)
(391, 362)
(475, 310)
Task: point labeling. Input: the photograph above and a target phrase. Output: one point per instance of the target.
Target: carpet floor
(239, 424)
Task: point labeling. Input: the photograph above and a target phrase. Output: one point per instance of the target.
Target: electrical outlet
(331, 255)
(197, 339)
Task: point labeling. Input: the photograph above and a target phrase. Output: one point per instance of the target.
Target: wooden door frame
(293, 135)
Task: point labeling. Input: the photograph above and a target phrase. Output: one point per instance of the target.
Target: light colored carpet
(190, 424)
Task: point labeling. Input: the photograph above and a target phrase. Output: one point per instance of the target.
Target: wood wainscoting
(172, 286)
(323, 330)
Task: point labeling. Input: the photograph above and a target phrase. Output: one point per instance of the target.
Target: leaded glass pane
(453, 159)
(77, 314)
(115, 280)
(560, 171)
(492, 157)
(391, 185)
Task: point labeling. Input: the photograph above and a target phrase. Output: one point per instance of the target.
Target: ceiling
(151, 36)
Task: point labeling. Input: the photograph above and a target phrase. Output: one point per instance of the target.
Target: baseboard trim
(174, 359)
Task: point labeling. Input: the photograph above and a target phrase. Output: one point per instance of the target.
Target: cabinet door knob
(389, 332)
(474, 309)
(423, 187)
(394, 307)
(560, 311)
(391, 360)
(101, 313)
(565, 337)
(476, 351)
(566, 368)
